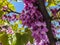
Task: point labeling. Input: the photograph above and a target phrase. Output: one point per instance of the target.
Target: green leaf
(11, 6)
(15, 26)
(29, 35)
(4, 39)
(19, 40)
(23, 39)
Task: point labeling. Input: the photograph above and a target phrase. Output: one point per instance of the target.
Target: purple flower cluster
(10, 18)
(55, 11)
(6, 29)
(33, 18)
(54, 30)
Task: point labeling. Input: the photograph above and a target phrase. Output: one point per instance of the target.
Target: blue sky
(18, 5)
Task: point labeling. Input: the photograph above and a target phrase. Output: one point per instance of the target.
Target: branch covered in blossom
(47, 18)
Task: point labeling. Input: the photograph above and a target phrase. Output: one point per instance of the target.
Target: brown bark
(47, 18)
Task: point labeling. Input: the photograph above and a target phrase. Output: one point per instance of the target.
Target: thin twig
(11, 11)
(14, 11)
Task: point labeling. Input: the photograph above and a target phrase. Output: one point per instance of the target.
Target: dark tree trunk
(47, 18)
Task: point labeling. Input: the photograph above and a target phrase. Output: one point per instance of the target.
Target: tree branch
(12, 11)
(57, 17)
(47, 18)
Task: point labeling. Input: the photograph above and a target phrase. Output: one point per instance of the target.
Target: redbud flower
(4, 8)
(54, 11)
(9, 31)
(28, 43)
(4, 17)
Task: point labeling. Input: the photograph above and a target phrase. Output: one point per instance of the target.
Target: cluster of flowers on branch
(33, 18)
(6, 29)
(14, 17)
